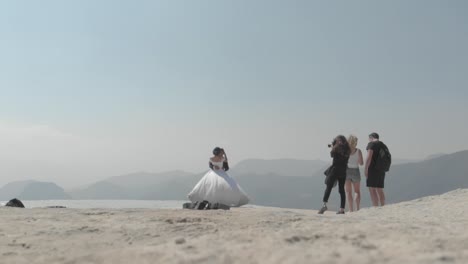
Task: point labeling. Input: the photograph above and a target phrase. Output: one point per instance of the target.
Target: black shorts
(376, 179)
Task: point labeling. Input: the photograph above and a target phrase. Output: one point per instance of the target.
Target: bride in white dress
(217, 186)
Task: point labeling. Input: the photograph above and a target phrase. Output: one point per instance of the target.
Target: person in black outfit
(337, 172)
(375, 177)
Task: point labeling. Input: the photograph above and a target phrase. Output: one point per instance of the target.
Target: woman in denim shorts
(353, 175)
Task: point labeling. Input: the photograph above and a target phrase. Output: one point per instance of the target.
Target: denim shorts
(353, 175)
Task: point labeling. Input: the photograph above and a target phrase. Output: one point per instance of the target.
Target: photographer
(337, 172)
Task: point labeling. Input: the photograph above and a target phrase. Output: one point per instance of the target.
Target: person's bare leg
(357, 190)
(373, 195)
(381, 194)
(349, 194)
(377, 197)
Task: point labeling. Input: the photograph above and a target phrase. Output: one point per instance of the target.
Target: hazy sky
(91, 89)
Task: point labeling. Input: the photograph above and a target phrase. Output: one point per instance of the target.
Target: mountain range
(281, 183)
(33, 190)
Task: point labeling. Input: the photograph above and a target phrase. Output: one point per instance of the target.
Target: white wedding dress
(218, 187)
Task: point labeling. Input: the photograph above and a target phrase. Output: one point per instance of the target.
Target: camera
(332, 144)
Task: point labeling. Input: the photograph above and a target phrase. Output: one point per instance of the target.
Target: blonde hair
(352, 140)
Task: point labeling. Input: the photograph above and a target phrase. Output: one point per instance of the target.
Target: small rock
(336, 255)
(15, 203)
(180, 241)
(447, 259)
(296, 239)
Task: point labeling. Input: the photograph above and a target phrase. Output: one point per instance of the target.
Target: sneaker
(340, 212)
(323, 209)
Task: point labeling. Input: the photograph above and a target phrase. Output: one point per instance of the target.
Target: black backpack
(384, 159)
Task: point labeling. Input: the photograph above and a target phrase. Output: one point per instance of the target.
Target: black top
(375, 146)
(225, 166)
(340, 163)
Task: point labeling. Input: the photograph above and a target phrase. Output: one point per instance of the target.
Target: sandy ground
(429, 230)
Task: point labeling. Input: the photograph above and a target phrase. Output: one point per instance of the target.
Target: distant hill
(172, 189)
(402, 161)
(102, 190)
(285, 167)
(43, 191)
(404, 182)
(140, 181)
(280, 191)
(434, 156)
(175, 185)
(140, 185)
(33, 190)
(300, 184)
(13, 189)
(428, 177)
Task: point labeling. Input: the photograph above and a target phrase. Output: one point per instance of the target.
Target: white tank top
(353, 162)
